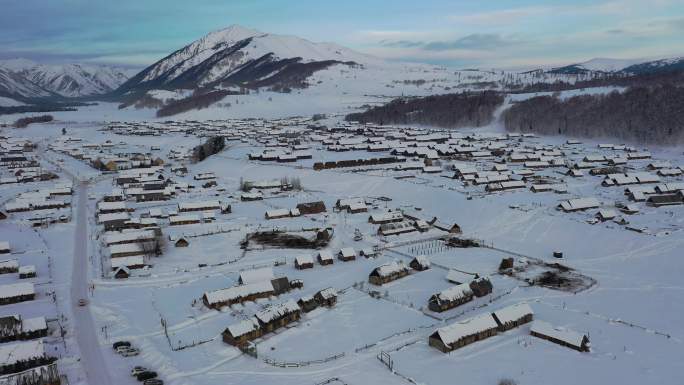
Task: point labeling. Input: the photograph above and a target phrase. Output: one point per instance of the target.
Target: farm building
(238, 294)
(134, 262)
(126, 250)
(420, 263)
(276, 316)
(240, 333)
(579, 204)
(369, 252)
(666, 199)
(14, 327)
(346, 254)
(513, 316)
(4, 247)
(564, 337)
(27, 271)
(118, 238)
(481, 286)
(122, 272)
(111, 207)
(22, 356)
(248, 197)
(458, 277)
(281, 213)
(311, 208)
(181, 242)
(256, 275)
(396, 228)
(9, 266)
(606, 215)
(388, 217)
(307, 303)
(463, 333)
(352, 205)
(326, 297)
(387, 273)
(304, 262)
(450, 298)
(114, 221)
(179, 220)
(325, 257)
(17, 292)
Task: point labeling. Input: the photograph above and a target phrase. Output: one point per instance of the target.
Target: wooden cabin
(463, 333)
(311, 208)
(481, 286)
(17, 292)
(420, 263)
(240, 333)
(346, 254)
(181, 242)
(513, 316)
(325, 257)
(387, 273)
(450, 298)
(563, 337)
(304, 262)
(276, 316)
(326, 297)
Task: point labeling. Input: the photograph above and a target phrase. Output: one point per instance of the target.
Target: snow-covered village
(262, 209)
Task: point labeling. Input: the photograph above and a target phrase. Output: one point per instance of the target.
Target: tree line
(639, 114)
(448, 110)
(211, 146)
(24, 122)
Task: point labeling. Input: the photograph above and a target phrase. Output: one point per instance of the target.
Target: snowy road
(91, 354)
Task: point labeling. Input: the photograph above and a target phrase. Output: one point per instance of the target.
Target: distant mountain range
(23, 79)
(238, 59)
(621, 66)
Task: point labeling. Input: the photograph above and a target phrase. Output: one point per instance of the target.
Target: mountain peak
(231, 34)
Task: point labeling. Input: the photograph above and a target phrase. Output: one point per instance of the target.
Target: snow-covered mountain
(28, 79)
(625, 66)
(238, 56)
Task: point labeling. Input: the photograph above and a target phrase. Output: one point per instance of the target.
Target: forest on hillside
(639, 114)
(448, 110)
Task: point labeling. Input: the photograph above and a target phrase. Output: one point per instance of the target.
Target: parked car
(130, 352)
(146, 375)
(82, 302)
(137, 370)
(118, 344)
(153, 381)
(123, 348)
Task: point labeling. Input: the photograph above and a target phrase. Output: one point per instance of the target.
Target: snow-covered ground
(632, 314)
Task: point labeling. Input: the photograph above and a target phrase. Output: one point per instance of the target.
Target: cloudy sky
(460, 33)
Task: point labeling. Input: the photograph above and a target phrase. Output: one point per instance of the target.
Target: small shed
(122, 272)
(561, 336)
(346, 254)
(181, 242)
(27, 271)
(304, 262)
(326, 297)
(325, 257)
(4, 247)
(420, 263)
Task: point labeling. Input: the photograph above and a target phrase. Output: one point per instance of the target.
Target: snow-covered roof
(236, 292)
(111, 238)
(4, 246)
(23, 351)
(459, 276)
(136, 260)
(455, 332)
(16, 289)
(455, 293)
(348, 252)
(328, 293)
(243, 327)
(571, 337)
(274, 312)
(325, 255)
(257, 275)
(390, 268)
(513, 313)
(303, 259)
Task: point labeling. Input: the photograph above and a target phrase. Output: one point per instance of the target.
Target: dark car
(118, 344)
(146, 375)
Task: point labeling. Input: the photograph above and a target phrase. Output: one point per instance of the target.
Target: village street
(91, 356)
